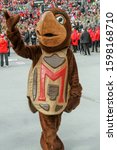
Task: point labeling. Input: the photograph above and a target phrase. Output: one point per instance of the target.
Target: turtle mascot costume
(53, 82)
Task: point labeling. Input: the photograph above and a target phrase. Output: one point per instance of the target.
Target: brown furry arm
(14, 36)
(73, 79)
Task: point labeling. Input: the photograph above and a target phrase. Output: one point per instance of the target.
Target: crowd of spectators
(82, 14)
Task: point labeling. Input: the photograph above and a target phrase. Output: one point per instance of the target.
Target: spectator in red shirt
(3, 50)
(74, 40)
(98, 36)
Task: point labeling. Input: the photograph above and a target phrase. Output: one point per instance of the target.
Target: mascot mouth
(49, 35)
(46, 34)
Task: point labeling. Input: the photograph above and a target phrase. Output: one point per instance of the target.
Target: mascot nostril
(53, 82)
(38, 32)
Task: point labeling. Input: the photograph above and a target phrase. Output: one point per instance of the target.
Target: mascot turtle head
(54, 30)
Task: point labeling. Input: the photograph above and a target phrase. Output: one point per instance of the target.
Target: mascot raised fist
(53, 82)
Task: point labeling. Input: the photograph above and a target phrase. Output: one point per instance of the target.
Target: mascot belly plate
(48, 84)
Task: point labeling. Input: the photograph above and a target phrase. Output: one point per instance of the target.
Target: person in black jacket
(85, 40)
(27, 37)
(33, 37)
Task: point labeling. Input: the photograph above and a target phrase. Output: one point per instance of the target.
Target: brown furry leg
(49, 138)
(43, 143)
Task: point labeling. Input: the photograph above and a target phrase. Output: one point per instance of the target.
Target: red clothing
(78, 35)
(0, 6)
(92, 35)
(3, 45)
(97, 34)
(88, 1)
(74, 38)
(38, 13)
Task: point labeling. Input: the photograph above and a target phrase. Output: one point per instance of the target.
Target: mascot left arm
(14, 36)
(75, 86)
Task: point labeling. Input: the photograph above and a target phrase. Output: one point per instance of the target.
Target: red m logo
(53, 76)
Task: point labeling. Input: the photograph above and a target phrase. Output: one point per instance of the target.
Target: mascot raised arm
(53, 82)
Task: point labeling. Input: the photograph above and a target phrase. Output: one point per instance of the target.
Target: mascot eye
(60, 19)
